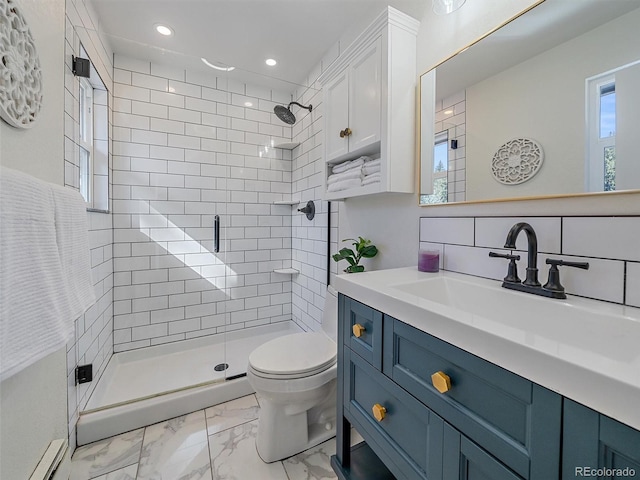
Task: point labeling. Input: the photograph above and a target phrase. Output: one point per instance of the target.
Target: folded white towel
(336, 177)
(373, 178)
(349, 164)
(344, 185)
(36, 313)
(371, 167)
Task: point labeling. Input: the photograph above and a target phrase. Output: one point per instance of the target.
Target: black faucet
(553, 288)
(532, 251)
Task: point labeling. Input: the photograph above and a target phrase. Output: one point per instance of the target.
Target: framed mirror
(546, 105)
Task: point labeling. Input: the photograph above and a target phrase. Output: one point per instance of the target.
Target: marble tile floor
(217, 443)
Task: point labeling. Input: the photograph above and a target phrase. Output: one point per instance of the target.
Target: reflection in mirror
(565, 75)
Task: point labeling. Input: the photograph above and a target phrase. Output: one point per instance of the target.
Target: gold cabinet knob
(378, 412)
(345, 133)
(358, 330)
(441, 382)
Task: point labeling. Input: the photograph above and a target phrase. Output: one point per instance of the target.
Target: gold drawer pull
(378, 412)
(345, 133)
(358, 330)
(441, 382)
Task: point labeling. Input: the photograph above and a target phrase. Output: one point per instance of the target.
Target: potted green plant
(363, 248)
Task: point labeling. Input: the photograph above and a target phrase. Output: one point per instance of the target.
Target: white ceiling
(242, 33)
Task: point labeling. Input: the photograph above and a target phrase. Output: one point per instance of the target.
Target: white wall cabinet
(353, 105)
(369, 102)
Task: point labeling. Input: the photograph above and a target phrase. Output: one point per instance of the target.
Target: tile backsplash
(608, 244)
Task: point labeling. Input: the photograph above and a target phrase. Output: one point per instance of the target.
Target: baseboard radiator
(50, 460)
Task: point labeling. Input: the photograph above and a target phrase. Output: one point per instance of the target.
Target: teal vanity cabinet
(592, 441)
(428, 410)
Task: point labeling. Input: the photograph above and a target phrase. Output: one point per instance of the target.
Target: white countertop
(595, 363)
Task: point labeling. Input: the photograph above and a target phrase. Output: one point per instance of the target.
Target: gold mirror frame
(493, 200)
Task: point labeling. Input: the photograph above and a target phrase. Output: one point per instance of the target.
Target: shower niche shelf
(286, 202)
(286, 271)
(286, 145)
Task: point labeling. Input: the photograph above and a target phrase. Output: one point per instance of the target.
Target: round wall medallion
(517, 161)
(20, 74)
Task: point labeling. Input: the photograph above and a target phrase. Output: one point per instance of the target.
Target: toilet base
(282, 435)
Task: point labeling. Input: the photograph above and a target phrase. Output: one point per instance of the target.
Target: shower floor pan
(150, 385)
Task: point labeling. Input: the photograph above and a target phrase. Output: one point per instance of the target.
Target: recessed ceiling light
(223, 68)
(163, 30)
(270, 61)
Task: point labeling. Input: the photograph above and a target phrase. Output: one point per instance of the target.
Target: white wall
(33, 402)
(628, 114)
(543, 99)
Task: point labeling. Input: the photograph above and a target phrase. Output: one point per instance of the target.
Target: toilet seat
(293, 356)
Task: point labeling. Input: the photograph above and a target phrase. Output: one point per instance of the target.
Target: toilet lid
(297, 354)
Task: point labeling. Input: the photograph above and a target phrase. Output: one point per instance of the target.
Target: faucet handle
(563, 263)
(512, 272)
(553, 282)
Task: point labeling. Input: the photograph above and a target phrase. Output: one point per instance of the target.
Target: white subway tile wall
(608, 244)
(604, 237)
(310, 237)
(633, 284)
(93, 340)
(189, 149)
(492, 233)
(459, 231)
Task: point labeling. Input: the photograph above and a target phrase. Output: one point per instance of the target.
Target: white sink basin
(493, 308)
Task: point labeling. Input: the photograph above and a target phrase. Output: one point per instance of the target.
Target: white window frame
(85, 139)
(439, 139)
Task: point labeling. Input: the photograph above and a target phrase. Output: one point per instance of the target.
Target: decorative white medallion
(517, 161)
(20, 74)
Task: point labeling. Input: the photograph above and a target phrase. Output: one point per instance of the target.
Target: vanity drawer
(408, 437)
(464, 460)
(362, 330)
(512, 418)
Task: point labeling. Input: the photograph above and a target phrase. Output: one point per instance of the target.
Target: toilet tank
(330, 314)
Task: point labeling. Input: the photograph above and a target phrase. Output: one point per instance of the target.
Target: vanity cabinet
(594, 441)
(369, 104)
(486, 423)
(429, 410)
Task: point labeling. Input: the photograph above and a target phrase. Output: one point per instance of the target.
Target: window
(93, 140)
(440, 170)
(86, 139)
(601, 126)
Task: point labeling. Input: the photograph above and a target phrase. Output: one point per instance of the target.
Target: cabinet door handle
(358, 330)
(441, 381)
(345, 133)
(379, 412)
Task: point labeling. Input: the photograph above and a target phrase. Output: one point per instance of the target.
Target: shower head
(286, 115)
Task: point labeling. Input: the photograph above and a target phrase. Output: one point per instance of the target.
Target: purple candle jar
(429, 261)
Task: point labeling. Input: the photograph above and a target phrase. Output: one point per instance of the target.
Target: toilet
(294, 377)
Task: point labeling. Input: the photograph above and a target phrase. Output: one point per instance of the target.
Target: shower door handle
(216, 234)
